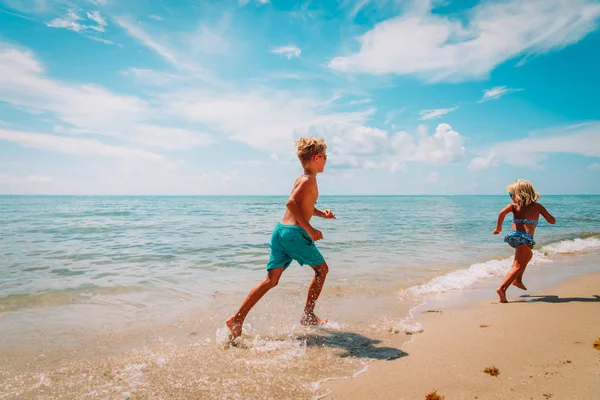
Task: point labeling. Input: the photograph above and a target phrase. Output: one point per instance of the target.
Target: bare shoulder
(305, 182)
(509, 208)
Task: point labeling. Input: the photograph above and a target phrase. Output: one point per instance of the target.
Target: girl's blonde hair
(523, 192)
(307, 147)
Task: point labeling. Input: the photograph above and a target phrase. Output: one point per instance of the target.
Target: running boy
(294, 238)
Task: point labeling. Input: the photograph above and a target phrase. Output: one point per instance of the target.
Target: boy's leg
(314, 290)
(522, 256)
(235, 322)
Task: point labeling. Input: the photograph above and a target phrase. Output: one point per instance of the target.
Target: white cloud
(182, 58)
(444, 147)
(497, 92)
(258, 2)
(437, 47)
(432, 114)
(95, 16)
(264, 119)
(69, 22)
(155, 17)
(594, 166)
(583, 139)
(72, 22)
(360, 101)
(488, 161)
(357, 6)
(87, 108)
(288, 51)
(136, 32)
(76, 146)
(17, 15)
(97, 39)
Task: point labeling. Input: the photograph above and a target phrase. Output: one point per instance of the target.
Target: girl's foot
(520, 285)
(502, 293)
(312, 319)
(235, 328)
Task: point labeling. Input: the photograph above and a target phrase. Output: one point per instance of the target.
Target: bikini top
(525, 221)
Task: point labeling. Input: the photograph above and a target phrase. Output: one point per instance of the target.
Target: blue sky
(207, 97)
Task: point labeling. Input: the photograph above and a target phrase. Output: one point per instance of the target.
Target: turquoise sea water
(122, 272)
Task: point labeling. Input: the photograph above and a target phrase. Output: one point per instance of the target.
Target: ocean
(126, 297)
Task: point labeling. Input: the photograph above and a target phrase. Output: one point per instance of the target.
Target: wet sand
(541, 343)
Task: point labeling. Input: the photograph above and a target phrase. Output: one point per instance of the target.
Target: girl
(526, 212)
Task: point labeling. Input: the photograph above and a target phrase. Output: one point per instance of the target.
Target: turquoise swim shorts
(292, 242)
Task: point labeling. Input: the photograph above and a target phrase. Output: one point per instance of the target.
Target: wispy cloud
(583, 139)
(95, 16)
(496, 92)
(76, 146)
(74, 22)
(87, 108)
(443, 48)
(136, 32)
(155, 17)
(97, 39)
(288, 51)
(436, 113)
(360, 101)
(488, 161)
(14, 14)
(258, 2)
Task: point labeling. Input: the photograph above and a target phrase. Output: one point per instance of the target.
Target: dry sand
(542, 346)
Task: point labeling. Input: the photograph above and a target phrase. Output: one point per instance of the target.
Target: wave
(464, 278)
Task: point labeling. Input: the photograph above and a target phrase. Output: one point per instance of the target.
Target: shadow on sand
(353, 344)
(555, 299)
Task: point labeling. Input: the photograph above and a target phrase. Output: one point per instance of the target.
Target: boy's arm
(501, 215)
(306, 185)
(323, 214)
(547, 215)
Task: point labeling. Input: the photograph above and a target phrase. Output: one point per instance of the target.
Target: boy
(294, 238)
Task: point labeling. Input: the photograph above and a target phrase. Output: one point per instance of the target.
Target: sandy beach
(541, 343)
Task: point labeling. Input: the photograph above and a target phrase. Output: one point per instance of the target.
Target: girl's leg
(522, 256)
(518, 282)
(235, 322)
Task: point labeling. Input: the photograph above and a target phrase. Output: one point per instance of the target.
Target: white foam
(571, 246)
(464, 278)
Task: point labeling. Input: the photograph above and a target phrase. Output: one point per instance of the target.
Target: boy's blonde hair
(523, 192)
(307, 147)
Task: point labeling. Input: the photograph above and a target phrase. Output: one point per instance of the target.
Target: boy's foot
(502, 293)
(235, 328)
(520, 285)
(312, 319)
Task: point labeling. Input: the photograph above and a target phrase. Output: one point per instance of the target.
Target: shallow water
(117, 297)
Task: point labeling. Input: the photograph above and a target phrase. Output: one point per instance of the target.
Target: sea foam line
(464, 278)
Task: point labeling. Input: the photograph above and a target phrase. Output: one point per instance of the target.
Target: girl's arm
(501, 215)
(547, 215)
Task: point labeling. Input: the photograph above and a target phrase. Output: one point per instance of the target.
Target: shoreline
(542, 344)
